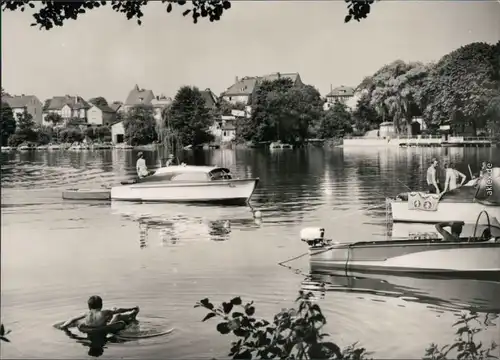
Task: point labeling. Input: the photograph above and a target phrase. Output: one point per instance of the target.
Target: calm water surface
(164, 258)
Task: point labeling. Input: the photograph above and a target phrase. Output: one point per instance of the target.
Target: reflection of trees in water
(218, 230)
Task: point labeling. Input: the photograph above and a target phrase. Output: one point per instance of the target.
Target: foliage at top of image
(55, 13)
(296, 333)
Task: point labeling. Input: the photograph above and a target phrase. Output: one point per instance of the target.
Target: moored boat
(279, 145)
(7, 148)
(53, 147)
(462, 204)
(198, 184)
(432, 256)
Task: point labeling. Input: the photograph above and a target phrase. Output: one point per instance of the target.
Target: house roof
(246, 85)
(105, 108)
(209, 97)
(161, 101)
(139, 96)
(19, 101)
(115, 106)
(341, 91)
(74, 102)
(228, 126)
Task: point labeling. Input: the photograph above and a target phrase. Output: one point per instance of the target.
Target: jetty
(419, 141)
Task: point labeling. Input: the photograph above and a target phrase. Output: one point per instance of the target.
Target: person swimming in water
(97, 317)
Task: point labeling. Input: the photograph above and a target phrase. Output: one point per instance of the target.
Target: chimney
(331, 87)
(236, 79)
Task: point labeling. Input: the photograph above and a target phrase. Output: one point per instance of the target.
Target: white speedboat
(199, 184)
(279, 145)
(431, 256)
(53, 147)
(462, 204)
(7, 148)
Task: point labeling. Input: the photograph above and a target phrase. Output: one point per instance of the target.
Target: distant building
(343, 94)
(30, 103)
(117, 133)
(210, 98)
(243, 89)
(386, 129)
(101, 115)
(137, 97)
(117, 106)
(67, 107)
(160, 103)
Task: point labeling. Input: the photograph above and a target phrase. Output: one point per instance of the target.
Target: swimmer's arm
(72, 320)
(123, 310)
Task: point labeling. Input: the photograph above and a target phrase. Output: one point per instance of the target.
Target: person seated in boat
(97, 317)
(432, 178)
(171, 161)
(452, 176)
(141, 168)
(456, 230)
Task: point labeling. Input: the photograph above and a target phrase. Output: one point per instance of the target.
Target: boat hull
(86, 194)
(412, 256)
(446, 211)
(217, 192)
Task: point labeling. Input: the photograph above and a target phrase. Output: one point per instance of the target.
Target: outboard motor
(314, 237)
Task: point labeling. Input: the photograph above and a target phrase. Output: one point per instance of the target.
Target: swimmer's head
(95, 302)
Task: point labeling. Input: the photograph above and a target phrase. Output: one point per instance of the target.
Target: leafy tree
(89, 133)
(365, 117)
(396, 91)
(7, 123)
(189, 117)
(54, 118)
(26, 127)
(45, 135)
(55, 13)
(76, 122)
(71, 135)
(281, 111)
(464, 87)
(103, 133)
(4, 93)
(140, 125)
(336, 121)
(99, 101)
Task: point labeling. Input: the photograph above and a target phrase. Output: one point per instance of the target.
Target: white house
(118, 133)
(67, 107)
(100, 115)
(28, 103)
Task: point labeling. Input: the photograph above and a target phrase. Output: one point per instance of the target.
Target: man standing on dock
(432, 179)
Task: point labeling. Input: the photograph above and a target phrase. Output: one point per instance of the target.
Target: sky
(104, 54)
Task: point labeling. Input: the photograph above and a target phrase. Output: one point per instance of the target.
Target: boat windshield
(220, 174)
(190, 176)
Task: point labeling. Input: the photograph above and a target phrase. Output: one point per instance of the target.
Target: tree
(365, 117)
(98, 101)
(44, 134)
(26, 127)
(89, 133)
(396, 91)
(102, 133)
(4, 93)
(189, 117)
(54, 118)
(336, 122)
(139, 125)
(464, 87)
(70, 135)
(282, 111)
(7, 123)
(55, 13)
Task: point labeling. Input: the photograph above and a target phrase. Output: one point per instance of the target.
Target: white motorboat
(279, 145)
(42, 147)
(123, 146)
(7, 148)
(24, 147)
(199, 184)
(432, 256)
(462, 204)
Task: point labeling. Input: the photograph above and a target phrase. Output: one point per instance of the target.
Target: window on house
(225, 133)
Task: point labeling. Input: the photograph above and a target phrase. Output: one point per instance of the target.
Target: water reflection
(95, 344)
(439, 292)
(176, 222)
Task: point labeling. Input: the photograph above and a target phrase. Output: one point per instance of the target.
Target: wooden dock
(453, 141)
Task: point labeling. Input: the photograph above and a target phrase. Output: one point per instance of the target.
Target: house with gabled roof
(138, 96)
(67, 107)
(343, 94)
(100, 114)
(210, 98)
(243, 89)
(29, 103)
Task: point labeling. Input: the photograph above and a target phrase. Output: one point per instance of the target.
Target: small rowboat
(86, 194)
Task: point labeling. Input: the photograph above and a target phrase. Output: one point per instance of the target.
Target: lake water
(164, 258)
